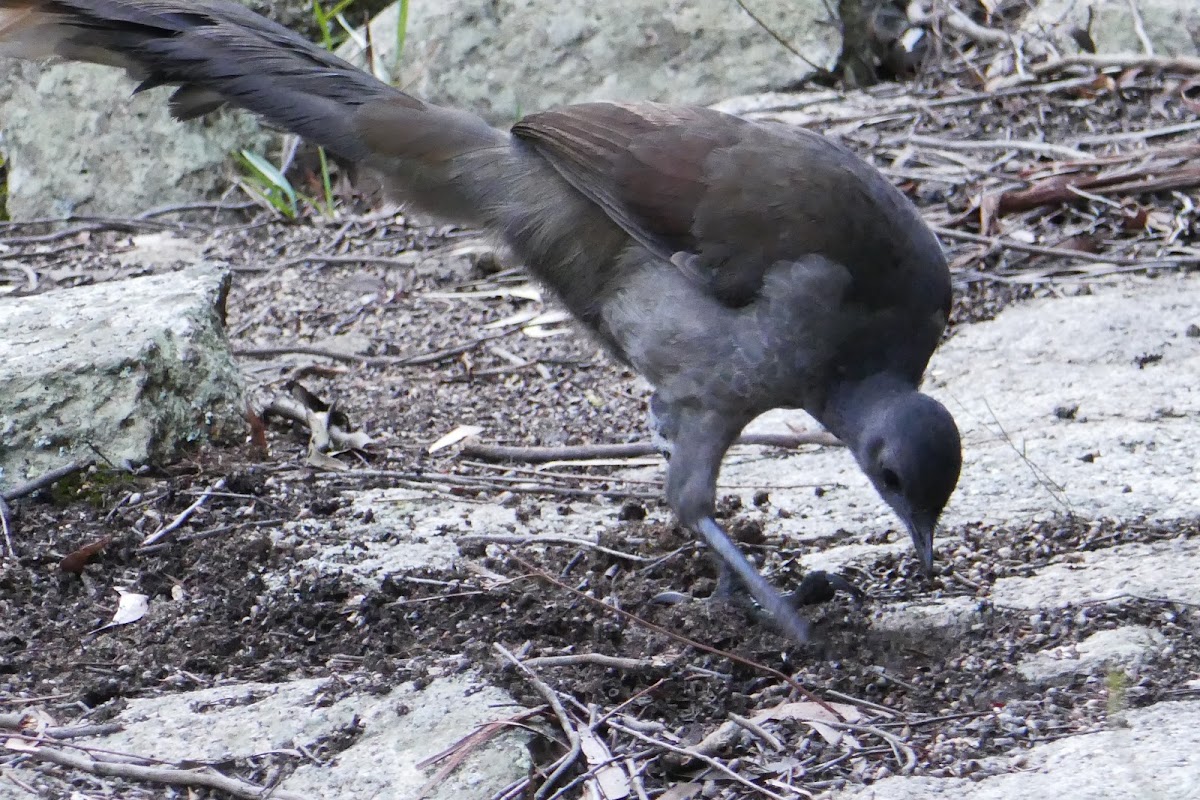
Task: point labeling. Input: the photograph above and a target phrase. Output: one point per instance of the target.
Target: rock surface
(1156, 755)
(506, 59)
(1172, 26)
(132, 371)
(76, 141)
(388, 735)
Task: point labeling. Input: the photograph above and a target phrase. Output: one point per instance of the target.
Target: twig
(44, 480)
(542, 455)
(906, 762)
(5, 526)
(1061, 252)
(564, 720)
(690, 753)
(405, 261)
(1140, 28)
(162, 775)
(424, 479)
(291, 409)
(1058, 189)
(782, 41)
(1149, 133)
(354, 358)
(1053, 487)
(513, 538)
(597, 659)
(178, 208)
(14, 721)
(759, 731)
(1044, 148)
(1119, 61)
(675, 636)
(957, 21)
(184, 515)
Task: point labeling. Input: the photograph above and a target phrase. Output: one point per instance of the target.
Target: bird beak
(921, 532)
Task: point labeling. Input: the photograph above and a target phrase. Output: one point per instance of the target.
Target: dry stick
(564, 720)
(1140, 28)
(13, 722)
(709, 760)
(1058, 189)
(5, 520)
(204, 206)
(597, 659)
(759, 731)
(1060, 252)
(1120, 61)
(162, 775)
(290, 409)
(571, 541)
(782, 41)
(353, 358)
(957, 21)
(1045, 148)
(1148, 133)
(457, 753)
(185, 514)
(676, 636)
(542, 455)
(44, 480)
(423, 479)
(316, 258)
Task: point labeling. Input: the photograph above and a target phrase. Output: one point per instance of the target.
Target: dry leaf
(682, 791)
(130, 608)
(455, 436)
(815, 716)
(609, 781)
(76, 561)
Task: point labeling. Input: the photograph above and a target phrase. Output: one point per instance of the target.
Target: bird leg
(699, 439)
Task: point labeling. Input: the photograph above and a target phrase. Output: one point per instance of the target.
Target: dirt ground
(263, 617)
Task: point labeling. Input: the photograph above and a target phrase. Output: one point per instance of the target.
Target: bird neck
(852, 407)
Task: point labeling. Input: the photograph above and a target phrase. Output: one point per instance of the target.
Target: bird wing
(724, 198)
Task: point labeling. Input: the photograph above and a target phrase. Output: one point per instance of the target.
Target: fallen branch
(185, 514)
(44, 480)
(1119, 61)
(354, 358)
(162, 775)
(1062, 252)
(1058, 189)
(542, 455)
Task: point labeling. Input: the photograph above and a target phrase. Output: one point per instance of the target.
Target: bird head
(910, 449)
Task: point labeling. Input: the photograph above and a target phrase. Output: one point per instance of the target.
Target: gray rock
(510, 58)
(1172, 26)
(76, 141)
(1157, 755)
(133, 370)
(1126, 647)
(1160, 570)
(398, 731)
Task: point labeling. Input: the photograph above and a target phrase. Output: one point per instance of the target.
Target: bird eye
(891, 480)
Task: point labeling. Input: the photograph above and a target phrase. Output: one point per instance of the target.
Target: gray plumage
(739, 266)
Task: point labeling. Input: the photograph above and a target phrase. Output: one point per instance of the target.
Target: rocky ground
(322, 629)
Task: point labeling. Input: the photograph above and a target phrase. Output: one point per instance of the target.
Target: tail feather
(215, 51)
(218, 52)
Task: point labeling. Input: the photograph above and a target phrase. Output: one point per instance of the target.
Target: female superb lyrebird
(739, 266)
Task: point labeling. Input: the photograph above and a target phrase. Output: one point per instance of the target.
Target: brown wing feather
(724, 198)
(644, 164)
